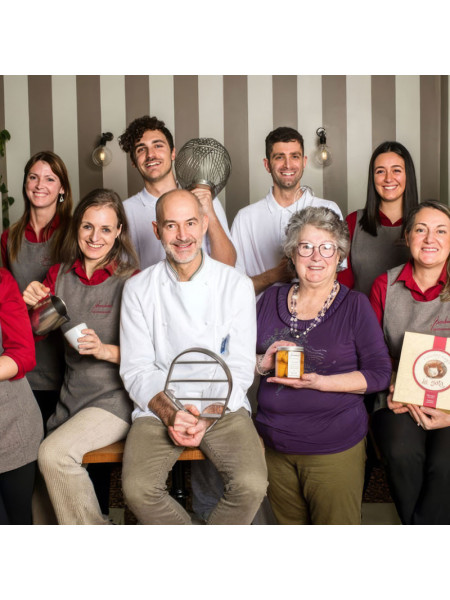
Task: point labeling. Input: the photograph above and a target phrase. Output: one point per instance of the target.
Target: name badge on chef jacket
(225, 345)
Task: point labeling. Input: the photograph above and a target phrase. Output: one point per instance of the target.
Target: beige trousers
(232, 445)
(67, 482)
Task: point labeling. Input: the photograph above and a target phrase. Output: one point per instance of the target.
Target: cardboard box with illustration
(423, 376)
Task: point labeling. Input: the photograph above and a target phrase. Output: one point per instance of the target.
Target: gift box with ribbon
(423, 376)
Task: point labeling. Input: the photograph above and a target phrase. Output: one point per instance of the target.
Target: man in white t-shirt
(258, 229)
(151, 148)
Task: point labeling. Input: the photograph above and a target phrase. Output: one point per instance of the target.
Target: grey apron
(88, 381)
(371, 256)
(21, 429)
(32, 264)
(403, 313)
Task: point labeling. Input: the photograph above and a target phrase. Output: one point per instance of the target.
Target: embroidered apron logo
(101, 309)
(439, 325)
(45, 261)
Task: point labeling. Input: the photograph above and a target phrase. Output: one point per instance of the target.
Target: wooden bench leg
(178, 490)
(100, 474)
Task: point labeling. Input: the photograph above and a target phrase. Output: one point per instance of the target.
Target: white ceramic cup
(73, 334)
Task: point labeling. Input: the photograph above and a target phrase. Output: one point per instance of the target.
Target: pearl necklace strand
(320, 314)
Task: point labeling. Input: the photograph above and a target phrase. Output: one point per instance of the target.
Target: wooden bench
(114, 454)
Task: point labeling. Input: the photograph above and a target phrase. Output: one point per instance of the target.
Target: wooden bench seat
(114, 454)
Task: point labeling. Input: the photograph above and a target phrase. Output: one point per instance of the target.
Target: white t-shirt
(140, 211)
(258, 230)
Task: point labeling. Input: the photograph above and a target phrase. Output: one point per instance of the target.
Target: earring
(60, 197)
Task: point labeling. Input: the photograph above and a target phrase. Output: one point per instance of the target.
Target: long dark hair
(370, 219)
(409, 224)
(63, 209)
(122, 254)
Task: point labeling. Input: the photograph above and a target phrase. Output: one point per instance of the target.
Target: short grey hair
(321, 218)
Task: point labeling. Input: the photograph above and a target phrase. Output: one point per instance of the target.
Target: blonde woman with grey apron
(414, 441)
(93, 409)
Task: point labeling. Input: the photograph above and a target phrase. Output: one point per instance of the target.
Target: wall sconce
(322, 154)
(102, 155)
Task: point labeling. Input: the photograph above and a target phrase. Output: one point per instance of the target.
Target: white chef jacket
(162, 316)
(140, 211)
(258, 230)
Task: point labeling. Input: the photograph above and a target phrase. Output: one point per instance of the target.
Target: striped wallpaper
(67, 114)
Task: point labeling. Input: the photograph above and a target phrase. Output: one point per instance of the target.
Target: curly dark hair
(137, 128)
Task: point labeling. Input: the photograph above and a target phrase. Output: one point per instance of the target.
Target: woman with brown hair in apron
(93, 409)
(30, 247)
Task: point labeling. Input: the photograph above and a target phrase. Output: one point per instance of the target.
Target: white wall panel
(309, 102)
(210, 108)
(65, 132)
(112, 100)
(162, 104)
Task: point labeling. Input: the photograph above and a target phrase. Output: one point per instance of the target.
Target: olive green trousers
(317, 489)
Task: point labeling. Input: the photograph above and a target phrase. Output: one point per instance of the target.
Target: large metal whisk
(203, 161)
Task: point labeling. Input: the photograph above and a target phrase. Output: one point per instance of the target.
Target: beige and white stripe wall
(67, 114)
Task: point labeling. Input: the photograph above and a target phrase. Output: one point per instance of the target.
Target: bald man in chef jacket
(188, 300)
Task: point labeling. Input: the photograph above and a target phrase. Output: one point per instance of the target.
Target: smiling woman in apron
(414, 441)
(375, 231)
(93, 409)
(30, 247)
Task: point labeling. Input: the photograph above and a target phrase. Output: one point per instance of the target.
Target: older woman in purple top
(314, 427)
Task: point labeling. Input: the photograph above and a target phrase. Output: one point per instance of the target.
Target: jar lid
(290, 348)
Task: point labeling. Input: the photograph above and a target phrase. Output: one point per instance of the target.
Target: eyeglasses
(326, 250)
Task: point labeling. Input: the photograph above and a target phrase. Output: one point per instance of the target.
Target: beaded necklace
(318, 319)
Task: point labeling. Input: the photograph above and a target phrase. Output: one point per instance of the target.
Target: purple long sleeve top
(348, 339)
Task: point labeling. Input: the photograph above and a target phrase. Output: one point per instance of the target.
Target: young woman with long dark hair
(375, 230)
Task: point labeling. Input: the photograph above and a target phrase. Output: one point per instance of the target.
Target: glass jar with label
(289, 362)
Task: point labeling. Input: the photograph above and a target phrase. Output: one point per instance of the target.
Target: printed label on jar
(294, 364)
